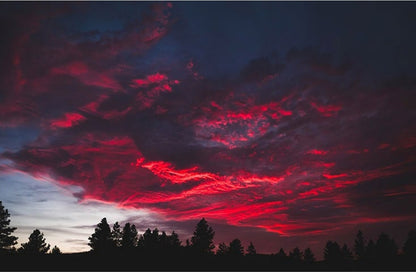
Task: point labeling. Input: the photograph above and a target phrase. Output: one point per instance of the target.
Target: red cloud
(317, 152)
(69, 120)
(165, 170)
(150, 79)
(239, 121)
(327, 111)
(155, 85)
(87, 76)
(329, 176)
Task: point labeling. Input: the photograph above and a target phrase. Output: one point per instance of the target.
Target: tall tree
(281, 254)
(101, 240)
(6, 239)
(251, 250)
(308, 256)
(116, 234)
(155, 238)
(140, 242)
(129, 237)
(332, 252)
(236, 249)
(386, 248)
(296, 255)
(281, 257)
(346, 253)
(145, 240)
(163, 241)
(203, 237)
(222, 250)
(36, 244)
(359, 245)
(149, 241)
(409, 248)
(370, 250)
(174, 241)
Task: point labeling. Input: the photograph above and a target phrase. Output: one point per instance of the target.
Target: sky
(282, 123)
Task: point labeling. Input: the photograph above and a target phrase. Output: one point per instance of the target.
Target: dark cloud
(261, 69)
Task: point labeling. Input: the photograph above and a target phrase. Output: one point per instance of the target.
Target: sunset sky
(282, 123)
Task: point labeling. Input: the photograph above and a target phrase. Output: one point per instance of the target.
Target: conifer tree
(332, 252)
(370, 250)
(36, 244)
(155, 238)
(296, 255)
(129, 237)
(251, 250)
(282, 257)
(359, 245)
(101, 240)
(164, 241)
(7, 241)
(386, 248)
(346, 253)
(409, 248)
(174, 241)
(202, 239)
(140, 242)
(308, 256)
(116, 234)
(146, 240)
(281, 254)
(222, 250)
(236, 249)
(150, 240)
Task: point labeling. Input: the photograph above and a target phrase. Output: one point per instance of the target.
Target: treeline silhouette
(119, 248)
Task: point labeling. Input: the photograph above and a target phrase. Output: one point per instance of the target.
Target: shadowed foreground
(181, 260)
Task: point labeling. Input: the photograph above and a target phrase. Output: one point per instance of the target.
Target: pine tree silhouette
(164, 241)
(346, 253)
(36, 244)
(236, 249)
(359, 245)
(409, 248)
(174, 241)
(7, 241)
(251, 250)
(116, 234)
(202, 238)
(370, 251)
(296, 255)
(281, 255)
(222, 250)
(332, 253)
(308, 256)
(102, 240)
(155, 239)
(386, 247)
(281, 258)
(149, 241)
(128, 237)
